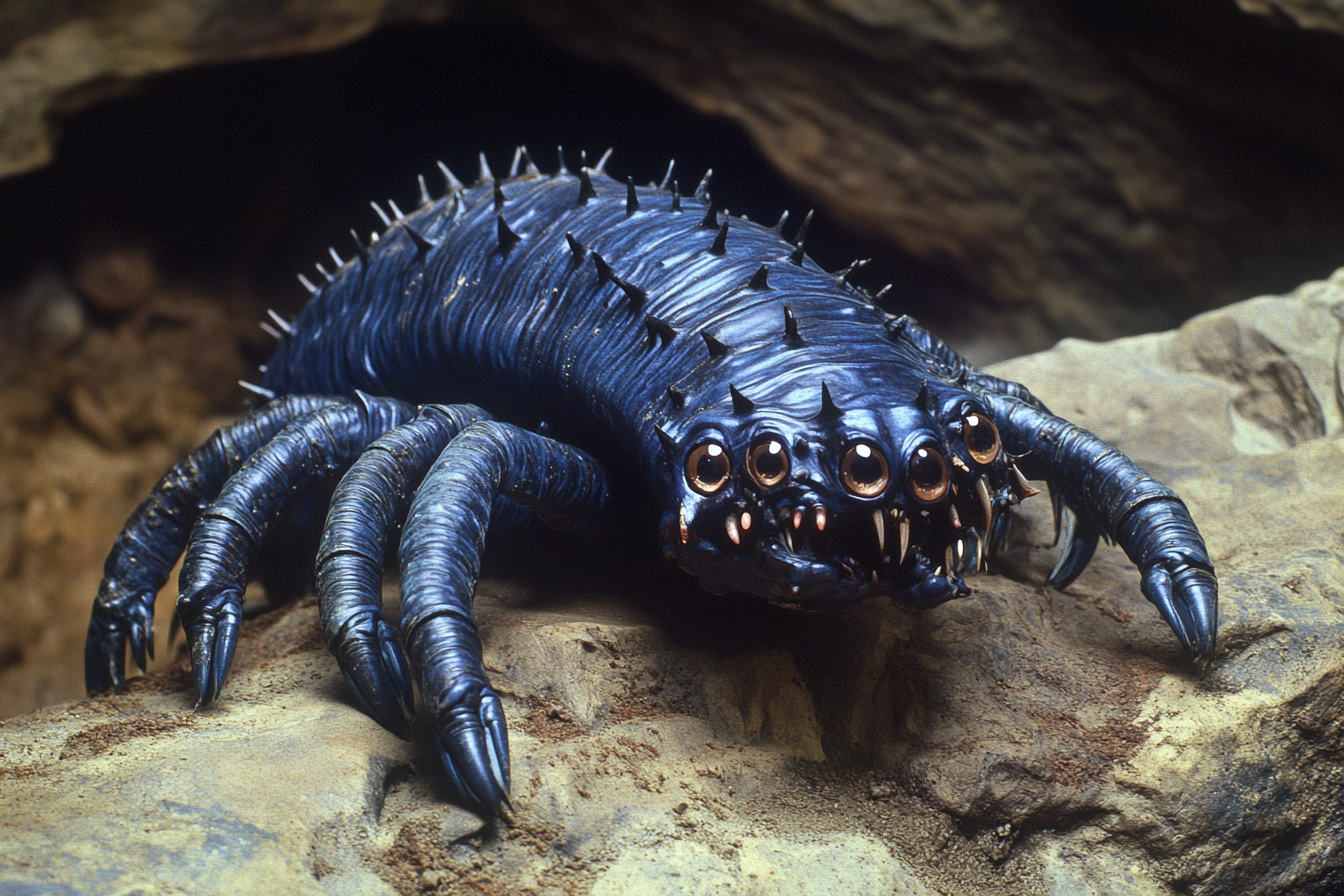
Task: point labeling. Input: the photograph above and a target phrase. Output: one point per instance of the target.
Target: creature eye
(928, 473)
(768, 462)
(864, 471)
(707, 467)
(981, 438)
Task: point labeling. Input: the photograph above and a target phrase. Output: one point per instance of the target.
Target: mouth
(810, 556)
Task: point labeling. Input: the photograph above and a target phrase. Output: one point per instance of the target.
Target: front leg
(1115, 497)
(441, 549)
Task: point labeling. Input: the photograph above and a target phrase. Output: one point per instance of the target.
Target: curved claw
(1187, 597)
(114, 622)
(211, 626)
(1080, 544)
(473, 743)
(370, 654)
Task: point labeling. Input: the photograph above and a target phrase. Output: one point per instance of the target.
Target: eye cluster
(879, 513)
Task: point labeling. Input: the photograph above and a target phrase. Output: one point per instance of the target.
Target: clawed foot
(473, 743)
(1186, 594)
(115, 621)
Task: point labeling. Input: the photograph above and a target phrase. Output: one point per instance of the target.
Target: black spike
(760, 279)
(922, 399)
(517, 157)
(659, 330)
(720, 244)
(422, 245)
(676, 198)
(716, 348)
(499, 196)
(779, 227)
(669, 444)
(672, 163)
(896, 326)
(363, 249)
(450, 178)
(796, 256)
(711, 219)
(742, 405)
(507, 238)
(529, 167)
(424, 191)
(485, 175)
(603, 269)
(560, 153)
(576, 247)
(631, 200)
(842, 277)
(636, 294)
(828, 411)
(881, 294)
(791, 327)
(677, 397)
(586, 190)
(702, 191)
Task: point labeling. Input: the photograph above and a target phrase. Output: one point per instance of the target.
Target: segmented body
(795, 441)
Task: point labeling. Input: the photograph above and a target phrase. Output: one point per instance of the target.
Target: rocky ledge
(1021, 741)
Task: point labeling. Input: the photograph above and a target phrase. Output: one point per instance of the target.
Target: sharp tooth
(961, 554)
(948, 559)
(960, 464)
(873, 578)
(685, 530)
(821, 518)
(788, 540)
(746, 520)
(982, 489)
(905, 537)
(798, 518)
(979, 551)
(731, 525)
(880, 522)
(952, 514)
(1023, 487)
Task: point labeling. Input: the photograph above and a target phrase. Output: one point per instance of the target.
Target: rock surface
(1095, 169)
(1021, 741)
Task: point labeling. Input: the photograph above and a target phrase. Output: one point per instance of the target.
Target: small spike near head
(820, 509)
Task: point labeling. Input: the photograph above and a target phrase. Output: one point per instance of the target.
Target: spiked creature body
(796, 442)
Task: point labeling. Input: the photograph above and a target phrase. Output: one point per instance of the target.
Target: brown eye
(928, 473)
(863, 470)
(768, 462)
(707, 467)
(981, 437)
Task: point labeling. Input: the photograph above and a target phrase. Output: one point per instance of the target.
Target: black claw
(473, 744)
(1187, 598)
(375, 666)
(211, 625)
(1080, 543)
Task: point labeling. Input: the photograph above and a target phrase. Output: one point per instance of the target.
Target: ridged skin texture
(793, 441)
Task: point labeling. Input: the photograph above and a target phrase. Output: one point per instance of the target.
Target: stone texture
(1021, 741)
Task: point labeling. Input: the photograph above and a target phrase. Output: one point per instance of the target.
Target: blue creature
(787, 438)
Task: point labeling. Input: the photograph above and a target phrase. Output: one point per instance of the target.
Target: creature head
(825, 509)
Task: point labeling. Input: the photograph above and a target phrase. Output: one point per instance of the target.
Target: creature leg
(308, 453)
(367, 507)
(1113, 496)
(440, 561)
(156, 533)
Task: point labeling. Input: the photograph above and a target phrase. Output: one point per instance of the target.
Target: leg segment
(156, 533)
(1114, 497)
(440, 561)
(310, 452)
(369, 503)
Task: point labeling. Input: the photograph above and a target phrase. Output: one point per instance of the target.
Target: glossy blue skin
(642, 325)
